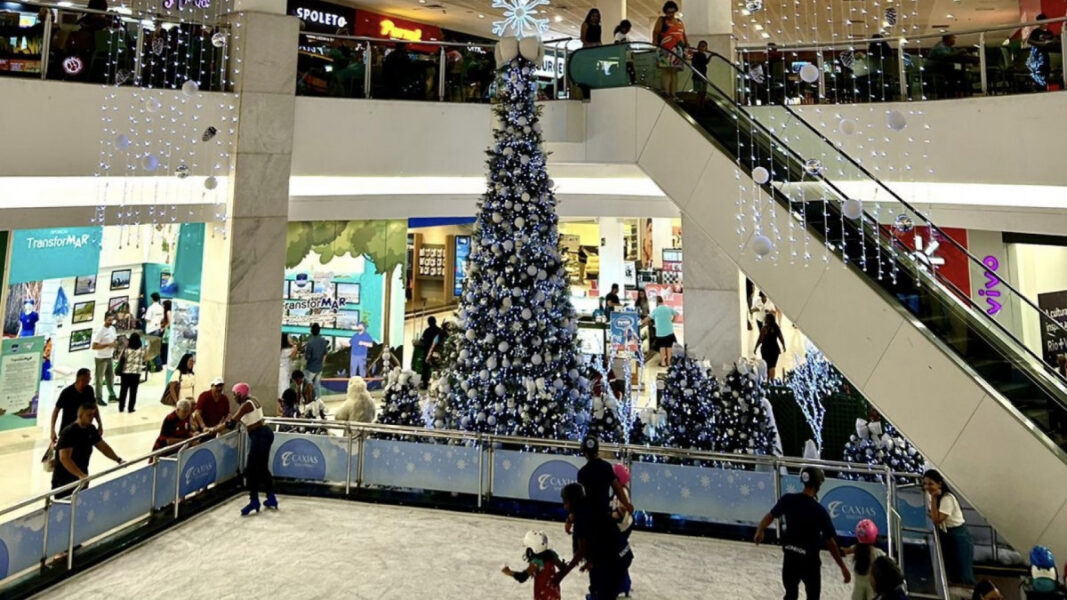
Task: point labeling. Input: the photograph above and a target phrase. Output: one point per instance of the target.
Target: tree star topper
(519, 16)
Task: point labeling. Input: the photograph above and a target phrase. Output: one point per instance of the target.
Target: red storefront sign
(956, 268)
(384, 26)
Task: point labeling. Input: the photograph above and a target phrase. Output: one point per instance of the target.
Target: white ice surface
(318, 548)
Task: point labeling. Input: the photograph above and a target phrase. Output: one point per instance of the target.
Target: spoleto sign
(321, 17)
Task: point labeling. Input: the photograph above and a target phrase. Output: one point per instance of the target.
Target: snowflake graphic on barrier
(520, 16)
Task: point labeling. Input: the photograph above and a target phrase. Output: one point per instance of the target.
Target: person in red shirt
(176, 426)
(543, 566)
(212, 407)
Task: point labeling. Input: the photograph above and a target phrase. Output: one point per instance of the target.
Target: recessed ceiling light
(481, 16)
(559, 19)
(766, 35)
(757, 27)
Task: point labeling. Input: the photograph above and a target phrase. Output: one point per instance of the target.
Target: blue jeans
(958, 549)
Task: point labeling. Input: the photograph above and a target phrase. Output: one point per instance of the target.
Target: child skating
(543, 566)
(864, 553)
(625, 521)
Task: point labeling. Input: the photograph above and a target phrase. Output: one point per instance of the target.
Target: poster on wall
(1053, 344)
(184, 319)
(20, 380)
(463, 253)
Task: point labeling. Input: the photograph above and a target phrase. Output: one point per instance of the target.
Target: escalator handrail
(1045, 319)
(862, 169)
(1054, 385)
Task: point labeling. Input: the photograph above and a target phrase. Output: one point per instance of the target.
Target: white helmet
(536, 541)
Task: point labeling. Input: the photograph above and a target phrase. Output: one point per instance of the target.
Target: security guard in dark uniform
(807, 524)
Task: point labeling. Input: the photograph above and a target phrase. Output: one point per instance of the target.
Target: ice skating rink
(319, 548)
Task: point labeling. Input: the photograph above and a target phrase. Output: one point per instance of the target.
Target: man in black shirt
(598, 479)
(596, 542)
(430, 347)
(75, 447)
(807, 524)
(70, 399)
(611, 301)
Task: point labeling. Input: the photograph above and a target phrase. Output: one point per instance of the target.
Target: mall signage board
(20, 380)
(321, 17)
(375, 25)
(39, 254)
(1053, 344)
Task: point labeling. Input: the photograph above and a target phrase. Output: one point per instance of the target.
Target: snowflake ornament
(520, 16)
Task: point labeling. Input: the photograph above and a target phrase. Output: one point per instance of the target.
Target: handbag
(48, 461)
(170, 392)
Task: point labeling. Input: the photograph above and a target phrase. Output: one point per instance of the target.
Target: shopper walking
(314, 357)
(70, 400)
(105, 340)
(807, 527)
(153, 319)
(769, 337)
(130, 367)
(431, 342)
(164, 343)
(258, 477)
(75, 448)
(662, 319)
(187, 377)
(669, 34)
(956, 542)
(286, 366)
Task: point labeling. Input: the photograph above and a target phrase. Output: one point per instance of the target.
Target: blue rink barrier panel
(438, 467)
(310, 457)
(107, 505)
(729, 496)
(531, 475)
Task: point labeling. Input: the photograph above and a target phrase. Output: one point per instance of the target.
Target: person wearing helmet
(595, 543)
(807, 526)
(543, 566)
(864, 553)
(625, 522)
(260, 437)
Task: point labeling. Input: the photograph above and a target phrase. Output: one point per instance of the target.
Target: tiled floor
(315, 548)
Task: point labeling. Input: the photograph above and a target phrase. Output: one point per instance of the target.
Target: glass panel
(882, 236)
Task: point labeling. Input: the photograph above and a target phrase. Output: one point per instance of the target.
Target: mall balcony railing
(48, 538)
(988, 61)
(346, 66)
(114, 47)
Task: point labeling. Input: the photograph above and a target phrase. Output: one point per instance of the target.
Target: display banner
(38, 254)
(533, 476)
(714, 494)
(310, 457)
(421, 466)
(672, 297)
(189, 262)
(625, 331)
(463, 254)
(848, 502)
(20, 381)
(1053, 344)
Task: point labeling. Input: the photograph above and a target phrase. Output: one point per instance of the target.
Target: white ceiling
(785, 21)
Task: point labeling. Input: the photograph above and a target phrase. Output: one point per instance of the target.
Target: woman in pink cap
(260, 437)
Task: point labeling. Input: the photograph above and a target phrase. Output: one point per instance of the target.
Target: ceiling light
(481, 16)
(757, 27)
(745, 12)
(559, 19)
(766, 35)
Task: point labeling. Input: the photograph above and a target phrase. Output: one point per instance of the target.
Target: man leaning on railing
(75, 447)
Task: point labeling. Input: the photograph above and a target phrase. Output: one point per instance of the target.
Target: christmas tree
(686, 402)
(517, 371)
(812, 383)
(401, 403)
(744, 421)
(877, 443)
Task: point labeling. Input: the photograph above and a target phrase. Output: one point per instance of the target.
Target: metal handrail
(95, 476)
(907, 39)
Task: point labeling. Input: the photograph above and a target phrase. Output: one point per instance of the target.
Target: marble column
(714, 305)
(710, 21)
(241, 302)
(611, 13)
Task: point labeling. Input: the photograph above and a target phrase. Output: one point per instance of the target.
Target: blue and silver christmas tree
(877, 443)
(401, 403)
(744, 420)
(517, 371)
(686, 403)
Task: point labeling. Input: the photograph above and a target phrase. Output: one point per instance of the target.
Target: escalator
(845, 257)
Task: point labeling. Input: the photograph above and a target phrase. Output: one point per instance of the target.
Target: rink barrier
(727, 489)
(43, 527)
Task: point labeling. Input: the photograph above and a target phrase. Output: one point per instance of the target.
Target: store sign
(992, 282)
(1053, 342)
(321, 17)
(551, 67)
(38, 254)
(390, 29)
(73, 65)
